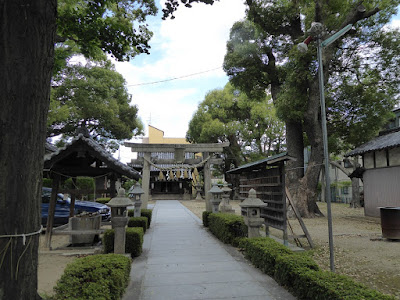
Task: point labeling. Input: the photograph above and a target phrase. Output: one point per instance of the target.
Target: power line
(174, 78)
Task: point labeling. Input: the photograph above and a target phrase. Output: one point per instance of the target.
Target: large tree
(228, 115)
(28, 35)
(93, 96)
(262, 54)
(360, 72)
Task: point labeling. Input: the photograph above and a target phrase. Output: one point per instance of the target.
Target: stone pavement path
(182, 260)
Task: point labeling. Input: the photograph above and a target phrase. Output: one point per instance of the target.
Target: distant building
(156, 136)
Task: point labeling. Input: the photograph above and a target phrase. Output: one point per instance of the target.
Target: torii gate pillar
(207, 182)
(146, 179)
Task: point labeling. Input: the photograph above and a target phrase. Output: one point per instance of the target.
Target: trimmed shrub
(301, 274)
(321, 285)
(263, 252)
(138, 222)
(227, 227)
(144, 212)
(103, 200)
(103, 276)
(206, 215)
(133, 243)
(147, 213)
(288, 267)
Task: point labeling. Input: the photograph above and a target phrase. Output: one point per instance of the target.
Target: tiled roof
(268, 161)
(386, 141)
(101, 154)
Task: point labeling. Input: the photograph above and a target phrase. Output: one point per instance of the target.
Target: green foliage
(144, 212)
(205, 217)
(288, 267)
(322, 285)
(133, 243)
(103, 200)
(94, 277)
(263, 252)
(82, 183)
(138, 222)
(228, 228)
(93, 96)
(301, 274)
(47, 182)
(251, 127)
(128, 184)
(360, 68)
(111, 27)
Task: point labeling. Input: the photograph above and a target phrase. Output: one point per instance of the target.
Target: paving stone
(181, 260)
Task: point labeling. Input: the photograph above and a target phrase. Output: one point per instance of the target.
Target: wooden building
(82, 157)
(381, 176)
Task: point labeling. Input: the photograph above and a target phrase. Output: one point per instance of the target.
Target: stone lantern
(198, 188)
(225, 206)
(251, 212)
(216, 193)
(119, 219)
(135, 193)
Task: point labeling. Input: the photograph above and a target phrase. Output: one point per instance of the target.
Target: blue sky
(194, 42)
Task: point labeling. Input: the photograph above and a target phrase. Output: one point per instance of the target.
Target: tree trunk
(26, 58)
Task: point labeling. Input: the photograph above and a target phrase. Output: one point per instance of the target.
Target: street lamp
(316, 32)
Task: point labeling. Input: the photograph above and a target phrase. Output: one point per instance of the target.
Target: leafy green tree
(262, 54)
(30, 29)
(360, 72)
(228, 115)
(93, 96)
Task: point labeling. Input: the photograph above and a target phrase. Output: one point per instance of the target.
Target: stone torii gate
(179, 157)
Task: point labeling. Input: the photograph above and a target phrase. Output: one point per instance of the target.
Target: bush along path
(298, 272)
(104, 276)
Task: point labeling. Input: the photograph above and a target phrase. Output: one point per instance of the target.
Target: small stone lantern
(216, 193)
(251, 212)
(198, 188)
(135, 193)
(225, 207)
(119, 219)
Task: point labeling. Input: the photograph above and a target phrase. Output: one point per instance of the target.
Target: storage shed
(381, 161)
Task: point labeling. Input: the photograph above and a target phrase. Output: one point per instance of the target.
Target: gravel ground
(359, 250)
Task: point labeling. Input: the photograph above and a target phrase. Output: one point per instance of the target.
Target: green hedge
(321, 285)
(138, 222)
(206, 215)
(103, 200)
(148, 214)
(262, 252)
(228, 228)
(133, 243)
(144, 212)
(301, 274)
(103, 276)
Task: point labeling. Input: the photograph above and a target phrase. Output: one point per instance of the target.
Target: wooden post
(113, 192)
(146, 179)
(73, 197)
(51, 212)
(207, 181)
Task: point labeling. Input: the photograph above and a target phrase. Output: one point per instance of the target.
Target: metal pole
(326, 153)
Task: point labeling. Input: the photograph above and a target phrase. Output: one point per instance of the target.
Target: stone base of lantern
(254, 226)
(119, 223)
(227, 209)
